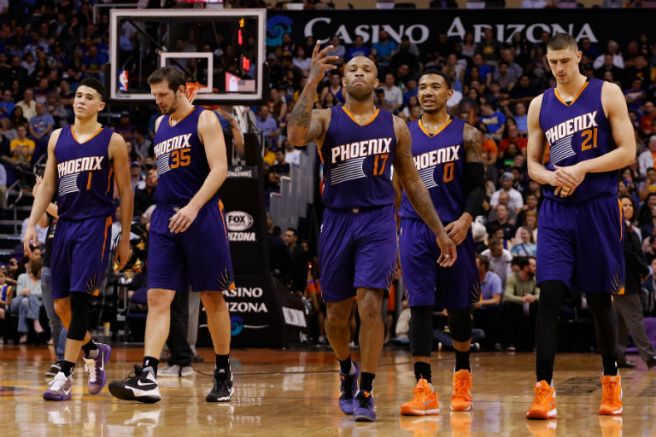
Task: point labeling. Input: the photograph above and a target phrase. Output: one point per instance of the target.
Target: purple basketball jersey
(357, 161)
(181, 161)
(85, 179)
(576, 132)
(440, 161)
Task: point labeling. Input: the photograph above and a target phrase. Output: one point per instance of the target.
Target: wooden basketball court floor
(293, 393)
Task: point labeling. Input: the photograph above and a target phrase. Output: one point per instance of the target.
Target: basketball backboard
(223, 50)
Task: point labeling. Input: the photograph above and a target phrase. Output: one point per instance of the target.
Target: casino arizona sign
(324, 27)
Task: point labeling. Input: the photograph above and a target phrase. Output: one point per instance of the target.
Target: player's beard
(173, 107)
(360, 93)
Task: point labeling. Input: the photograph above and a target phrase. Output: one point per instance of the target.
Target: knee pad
(421, 331)
(79, 316)
(460, 324)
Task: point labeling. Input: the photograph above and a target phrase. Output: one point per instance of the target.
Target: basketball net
(191, 90)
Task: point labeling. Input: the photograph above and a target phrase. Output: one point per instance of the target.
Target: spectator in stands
(493, 121)
(335, 88)
(268, 126)
(145, 196)
(393, 94)
(405, 54)
(338, 49)
(489, 46)
(628, 306)
(520, 299)
(290, 237)
(384, 49)
(281, 263)
(486, 310)
(500, 259)
(301, 60)
(647, 216)
(21, 149)
(17, 117)
(28, 104)
(516, 201)
(648, 185)
(524, 244)
(27, 301)
(7, 104)
(635, 95)
(612, 51)
(646, 159)
(521, 118)
(647, 118)
(124, 127)
(41, 125)
(358, 49)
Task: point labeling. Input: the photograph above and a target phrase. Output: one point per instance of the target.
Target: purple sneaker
(363, 406)
(347, 389)
(60, 388)
(96, 368)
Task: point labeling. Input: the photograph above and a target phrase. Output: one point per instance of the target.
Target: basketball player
(83, 161)
(187, 240)
(582, 129)
(447, 154)
(358, 144)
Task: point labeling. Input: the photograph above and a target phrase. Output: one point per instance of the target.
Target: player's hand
(321, 63)
(457, 230)
(477, 305)
(448, 252)
(30, 238)
(569, 178)
(182, 220)
(123, 254)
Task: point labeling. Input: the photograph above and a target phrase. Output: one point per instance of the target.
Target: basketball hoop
(191, 90)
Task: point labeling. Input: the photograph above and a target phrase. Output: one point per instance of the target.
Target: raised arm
(306, 125)
(118, 153)
(44, 195)
(417, 193)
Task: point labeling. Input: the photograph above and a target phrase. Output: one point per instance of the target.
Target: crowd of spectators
(46, 48)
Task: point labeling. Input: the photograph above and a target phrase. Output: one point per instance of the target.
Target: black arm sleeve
(474, 187)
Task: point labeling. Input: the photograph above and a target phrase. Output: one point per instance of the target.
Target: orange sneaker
(461, 399)
(424, 401)
(611, 396)
(544, 403)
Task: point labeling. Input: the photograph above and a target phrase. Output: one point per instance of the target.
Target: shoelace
(58, 382)
(90, 367)
(542, 394)
(421, 393)
(607, 394)
(461, 387)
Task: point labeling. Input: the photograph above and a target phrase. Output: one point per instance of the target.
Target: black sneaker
(54, 369)
(142, 387)
(222, 390)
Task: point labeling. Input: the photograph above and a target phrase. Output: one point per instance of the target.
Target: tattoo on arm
(473, 144)
(301, 115)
